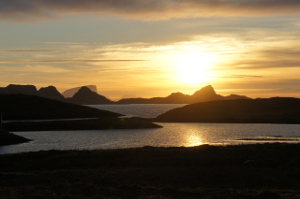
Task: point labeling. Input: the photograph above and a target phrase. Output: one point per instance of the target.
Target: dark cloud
(20, 10)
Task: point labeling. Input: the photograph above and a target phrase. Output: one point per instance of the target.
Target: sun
(194, 68)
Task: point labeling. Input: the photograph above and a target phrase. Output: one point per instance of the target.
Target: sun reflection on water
(193, 139)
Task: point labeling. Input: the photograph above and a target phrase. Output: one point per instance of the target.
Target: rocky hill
(86, 96)
(50, 92)
(71, 92)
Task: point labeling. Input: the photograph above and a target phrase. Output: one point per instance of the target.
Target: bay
(171, 135)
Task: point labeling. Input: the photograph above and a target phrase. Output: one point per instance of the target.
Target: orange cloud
(65, 61)
(20, 10)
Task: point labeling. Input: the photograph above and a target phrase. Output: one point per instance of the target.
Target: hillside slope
(272, 110)
(27, 107)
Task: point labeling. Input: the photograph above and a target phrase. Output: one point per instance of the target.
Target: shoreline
(8, 138)
(85, 124)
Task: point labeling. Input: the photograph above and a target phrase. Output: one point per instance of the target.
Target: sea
(171, 135)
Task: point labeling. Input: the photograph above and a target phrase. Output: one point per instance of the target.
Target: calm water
(173, 134)
(139, 110)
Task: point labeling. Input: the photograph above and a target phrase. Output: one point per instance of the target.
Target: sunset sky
(146, 48)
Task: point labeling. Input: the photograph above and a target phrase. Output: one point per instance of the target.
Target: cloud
(243, 76)
(65, 43)
(268, 58)
(65, 61)
(266, 64)
(28, 51)
(282, 53)
(20, 10)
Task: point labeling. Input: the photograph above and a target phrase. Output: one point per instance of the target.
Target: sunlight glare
(194, 68)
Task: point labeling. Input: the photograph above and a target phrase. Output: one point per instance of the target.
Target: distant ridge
(88, 95)
(83, 95)
(47, 92)
(207, 93)
(72, 91)
(271, 110)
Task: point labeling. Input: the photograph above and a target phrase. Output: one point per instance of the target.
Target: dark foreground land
(245, 171)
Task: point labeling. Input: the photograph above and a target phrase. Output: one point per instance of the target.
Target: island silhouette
(271, 110)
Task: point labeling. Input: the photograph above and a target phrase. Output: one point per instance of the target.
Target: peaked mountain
(50, 92)
(207, 93)
(86, 96)
(72, 91)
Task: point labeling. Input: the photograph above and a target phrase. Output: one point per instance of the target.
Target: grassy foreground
(244, 171)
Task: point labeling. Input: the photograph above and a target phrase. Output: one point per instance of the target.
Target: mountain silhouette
(19, 89)
(272, 110)
(207, 93)
(72, 91)
(50, 92)
(47, 92)
(89, 95)
(86, 96)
